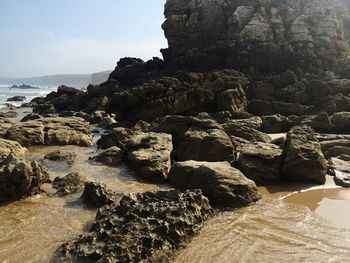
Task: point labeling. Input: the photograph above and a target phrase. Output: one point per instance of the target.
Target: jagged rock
(97, 195)
(5, 124)
(145, 227)
(59, 156)
(341, 121)
(261, 162)
(142, 126)
(205, 145)
(320, 123)
(149, 155)
(19, 178)
(51, 131)
(304, 161)
(69, 184)
(8, 114)
(224, 185)
(119, 137)
(30, 117)
(180, 94)
(110, 156)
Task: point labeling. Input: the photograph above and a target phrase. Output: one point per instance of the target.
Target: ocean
(6, 93)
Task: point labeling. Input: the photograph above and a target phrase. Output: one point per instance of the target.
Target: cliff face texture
(262, 36)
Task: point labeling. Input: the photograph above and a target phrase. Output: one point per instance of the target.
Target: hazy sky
(40, 37)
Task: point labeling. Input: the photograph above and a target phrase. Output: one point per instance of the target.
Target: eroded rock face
(143, 227)
(224, 185)
(51, 131)
(19, 178)
(261, 162)
(149, 155)
(7, 147)
(263, 36)
(340, 167)
(304, 161)
(59, 156)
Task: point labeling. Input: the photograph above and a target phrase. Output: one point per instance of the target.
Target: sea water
(6, 92)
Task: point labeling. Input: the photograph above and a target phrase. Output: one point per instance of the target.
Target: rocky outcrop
(120, 137)
(69, 184)
(304, 161)
(51, 131)
(17, 98)
(7, 147)
(143, 227)
(224, 185)
(149, 155)
(97, 195)
(261, 162)
(181, 93)
(259, 36)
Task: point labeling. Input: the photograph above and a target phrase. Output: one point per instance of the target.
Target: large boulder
(69, 184)
(97, 195)
(261, 162)
(205, 145)
(51, 131)
(304, 161)
(224, 185)
(147, 227)
(111, 156)
(7, 147)
(334, 148)
(149, 155)
(120, 137)
(341, 121)
(237, 129)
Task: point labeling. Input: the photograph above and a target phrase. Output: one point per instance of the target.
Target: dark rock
(275, 124)
(97, 195)
(264, 107)
(304, 161)
(8, 114)
(261, 162)
(17, 98)
(224, 185)
(30, 117)
(69, 184)
(341, 121)
(111, 156)
(59, 156)
(147, 227)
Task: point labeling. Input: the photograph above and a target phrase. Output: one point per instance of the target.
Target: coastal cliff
(264, 36)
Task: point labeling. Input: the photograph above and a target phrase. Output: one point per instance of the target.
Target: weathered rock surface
(341, 121)
(51, 131)
(97, 195)
(69, 184)
(262, 36)
(111, 156)
(261, 162)
(334, 148)
(240, 129)
(224, 185)
(205, 145)
(7, 147)
(149, 155)
(304, 161)
(181, 93)
(145, 227)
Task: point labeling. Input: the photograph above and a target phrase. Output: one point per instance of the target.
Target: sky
(42, 37)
